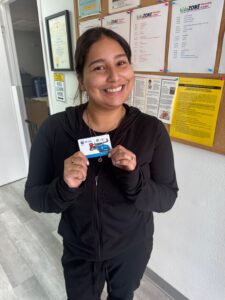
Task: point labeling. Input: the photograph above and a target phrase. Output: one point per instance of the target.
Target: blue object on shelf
(40, 87)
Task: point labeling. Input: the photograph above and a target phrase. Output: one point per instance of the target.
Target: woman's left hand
(123, 158)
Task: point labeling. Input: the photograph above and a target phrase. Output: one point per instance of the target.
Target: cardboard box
(37, 112)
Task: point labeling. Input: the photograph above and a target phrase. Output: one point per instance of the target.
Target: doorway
(24, 14)
(14, 136)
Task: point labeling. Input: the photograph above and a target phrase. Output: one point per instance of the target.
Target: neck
(103, 120)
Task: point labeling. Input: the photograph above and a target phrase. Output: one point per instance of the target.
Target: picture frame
(59, 41)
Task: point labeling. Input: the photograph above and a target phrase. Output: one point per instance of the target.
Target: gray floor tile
(30, 289)
(6, 290)
(31, 250)
(13, 263)
(39, 261)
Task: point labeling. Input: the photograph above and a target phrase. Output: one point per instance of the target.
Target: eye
(122, 62)
(99, 68)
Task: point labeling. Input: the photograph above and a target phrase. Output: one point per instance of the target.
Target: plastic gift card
(95, 146)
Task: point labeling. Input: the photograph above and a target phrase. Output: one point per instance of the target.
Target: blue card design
(95, 146)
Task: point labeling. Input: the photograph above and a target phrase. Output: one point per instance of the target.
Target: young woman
(107, 203)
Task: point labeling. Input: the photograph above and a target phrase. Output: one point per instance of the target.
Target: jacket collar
(74, 125)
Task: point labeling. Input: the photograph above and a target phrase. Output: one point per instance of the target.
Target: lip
(114, 90)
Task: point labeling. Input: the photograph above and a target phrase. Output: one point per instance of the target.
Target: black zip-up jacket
(112, 210)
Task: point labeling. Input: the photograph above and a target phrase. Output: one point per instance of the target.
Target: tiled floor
(30, 253)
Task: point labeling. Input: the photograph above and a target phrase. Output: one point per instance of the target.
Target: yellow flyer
(196, 108)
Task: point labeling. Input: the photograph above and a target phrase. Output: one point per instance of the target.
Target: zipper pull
(96, 180)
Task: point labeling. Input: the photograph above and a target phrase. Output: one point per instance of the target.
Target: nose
(113, 74)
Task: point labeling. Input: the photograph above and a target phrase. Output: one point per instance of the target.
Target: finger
(80, 155)
(116, 149)
(78, 169)
(124, 159)
(120, 149)
(123, 156)
(78, 161)
(78, 158)
(75, 174)
(125, 164)
(70, 167)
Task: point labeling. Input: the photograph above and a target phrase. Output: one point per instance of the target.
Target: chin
(115, 103)
(116, 99)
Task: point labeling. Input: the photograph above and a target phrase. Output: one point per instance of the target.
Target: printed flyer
(196, 110)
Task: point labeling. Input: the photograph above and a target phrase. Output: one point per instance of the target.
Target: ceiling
(24, 15)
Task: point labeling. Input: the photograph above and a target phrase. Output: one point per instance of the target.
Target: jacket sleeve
(43, 192)
(152, 187)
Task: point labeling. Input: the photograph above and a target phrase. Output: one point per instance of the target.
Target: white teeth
(114, 90)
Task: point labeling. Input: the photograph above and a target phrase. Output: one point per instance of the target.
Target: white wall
(47, 8)
(14, 139)
(29, 52)
(189, 245)
(189, 248)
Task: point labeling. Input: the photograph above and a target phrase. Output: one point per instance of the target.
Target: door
(13, 140)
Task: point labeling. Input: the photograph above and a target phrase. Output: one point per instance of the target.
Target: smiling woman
(108, 79)
(107, 204)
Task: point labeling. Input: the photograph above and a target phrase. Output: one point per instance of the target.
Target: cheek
(131, 78)
(130, 74)
(91, 83)
(93, 80)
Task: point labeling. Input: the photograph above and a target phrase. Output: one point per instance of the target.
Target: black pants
(85, 280)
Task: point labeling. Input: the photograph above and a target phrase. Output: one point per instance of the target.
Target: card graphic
(95, 146)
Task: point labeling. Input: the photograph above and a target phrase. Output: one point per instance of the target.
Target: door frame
(16, 85)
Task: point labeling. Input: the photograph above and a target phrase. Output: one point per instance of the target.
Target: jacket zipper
(98, 219)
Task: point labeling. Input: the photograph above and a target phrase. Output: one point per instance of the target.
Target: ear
(81, 84)
(82, 87)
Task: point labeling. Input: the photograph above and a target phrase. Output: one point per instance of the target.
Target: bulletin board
(219, 139)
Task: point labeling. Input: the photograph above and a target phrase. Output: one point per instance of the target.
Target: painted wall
(13, 132)
(47, 8)
(29, 52)
(190, 239)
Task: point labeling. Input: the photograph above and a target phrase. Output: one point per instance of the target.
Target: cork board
(219, 140)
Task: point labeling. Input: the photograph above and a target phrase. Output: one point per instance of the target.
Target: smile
(118, 89)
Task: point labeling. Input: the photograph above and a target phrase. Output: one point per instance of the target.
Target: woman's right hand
(75, 169)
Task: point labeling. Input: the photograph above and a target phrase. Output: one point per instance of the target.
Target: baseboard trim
(164, 286)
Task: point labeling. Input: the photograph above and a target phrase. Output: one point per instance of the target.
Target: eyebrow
(103, 60)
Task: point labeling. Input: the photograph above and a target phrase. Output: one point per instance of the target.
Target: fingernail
(88, 163)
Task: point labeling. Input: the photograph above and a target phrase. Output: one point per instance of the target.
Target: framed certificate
(59, 41)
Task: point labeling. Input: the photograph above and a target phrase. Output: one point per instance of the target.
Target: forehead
(105, 48)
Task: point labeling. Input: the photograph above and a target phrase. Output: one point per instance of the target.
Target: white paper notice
(152, 96)
(139, 99)
(84, 26)
(194, 35)
(168, 90)
(119, 5)
(155, 95)
(148, 37)
(120, 23)
(222, 58)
